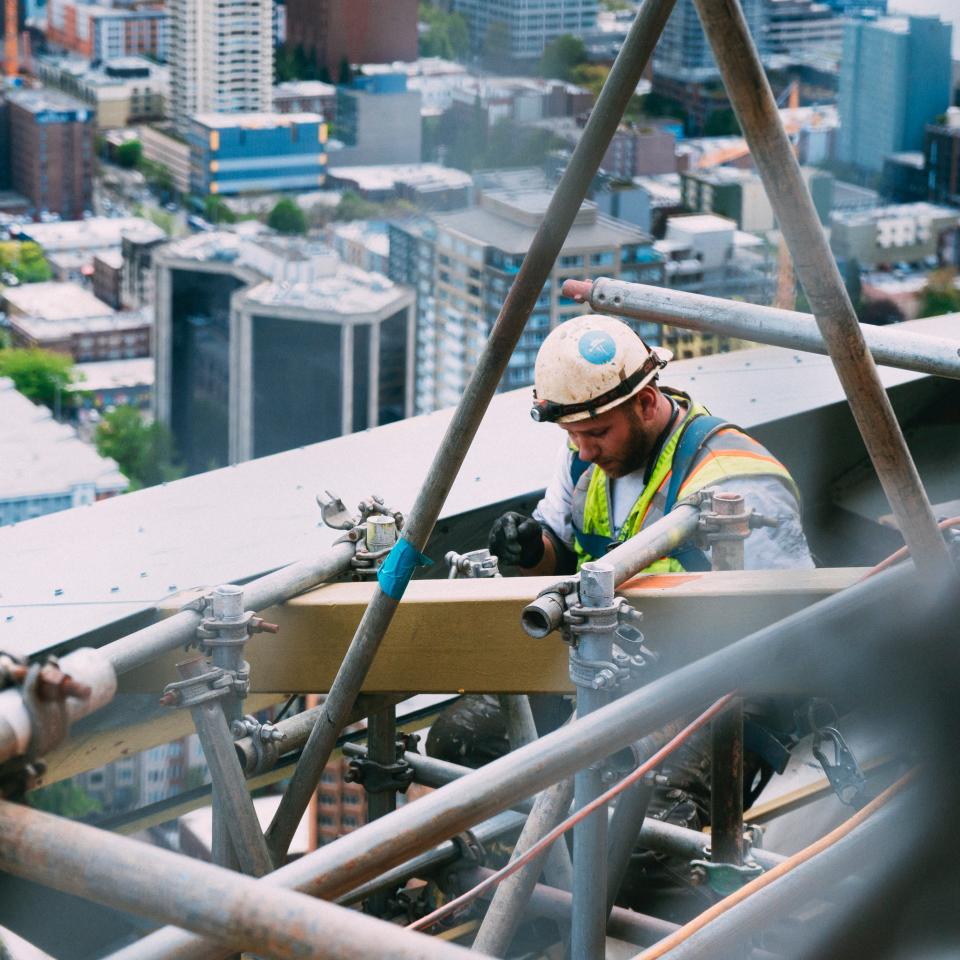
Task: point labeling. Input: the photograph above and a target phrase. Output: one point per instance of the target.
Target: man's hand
(517, 540)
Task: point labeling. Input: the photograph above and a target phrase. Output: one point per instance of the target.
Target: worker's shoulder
(729, 438)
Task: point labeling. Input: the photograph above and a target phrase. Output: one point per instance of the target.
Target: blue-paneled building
(232, 153)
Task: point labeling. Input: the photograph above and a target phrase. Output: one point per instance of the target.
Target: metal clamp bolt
(477, 564)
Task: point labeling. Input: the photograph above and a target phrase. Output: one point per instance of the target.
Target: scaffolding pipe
(509, 904)
(545, 614)
(753, 102)
(890, 346)
(626, 823)
(266, 591)
(236, 910)
(547, 901)
(789, 656)
(503, 338)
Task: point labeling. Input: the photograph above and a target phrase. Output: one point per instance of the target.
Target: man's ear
(645, 402)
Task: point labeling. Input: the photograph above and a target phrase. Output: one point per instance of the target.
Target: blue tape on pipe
(397, 569)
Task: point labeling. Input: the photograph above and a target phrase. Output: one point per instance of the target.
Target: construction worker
(632, 450)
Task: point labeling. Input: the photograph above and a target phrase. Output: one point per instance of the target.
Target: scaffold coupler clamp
(265, 737)
(723, 878)
(226, 624)
(629, 656)
(373, 530)
(213, 684)
(474, 565)
(377, 777)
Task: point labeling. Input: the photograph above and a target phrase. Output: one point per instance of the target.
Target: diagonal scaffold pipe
(794, 655)
(537, 265)
(752, 101)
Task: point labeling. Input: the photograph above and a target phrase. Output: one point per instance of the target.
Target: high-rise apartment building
(528, 25)
(894, 80)
(266, 345)
(801, 26)
(353, 31)
(221, 58)
(942, 159)
(51, 152)
(462, 265)
(101, 32)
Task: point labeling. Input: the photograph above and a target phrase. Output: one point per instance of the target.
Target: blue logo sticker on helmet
(597, 346)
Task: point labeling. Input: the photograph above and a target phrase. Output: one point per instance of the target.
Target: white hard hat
(588, 365)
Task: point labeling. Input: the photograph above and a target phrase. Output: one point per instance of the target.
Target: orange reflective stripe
(740, 454)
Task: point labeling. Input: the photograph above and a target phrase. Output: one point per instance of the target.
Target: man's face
(618, 441)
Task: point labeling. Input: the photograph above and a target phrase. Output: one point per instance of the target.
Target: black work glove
(517, 540)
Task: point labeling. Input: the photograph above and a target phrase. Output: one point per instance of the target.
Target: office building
(221, 58)
(352, 31)
(254, 152)
(66, 318)
(640, 151)
(306, 96)
(378, 121)
(120, 92)
(428, 186)
(902, 233)
(270, 344)
(51, 152)
(904, 177)
(527, 27)
(942, 159)
(162, 144)
(741, 196)
(894, 80)
(707, 254)
(101, 32)
(44, 466)
(795, 27)
(474, 256)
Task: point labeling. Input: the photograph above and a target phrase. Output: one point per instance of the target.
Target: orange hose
(904, 551)
(664, 946)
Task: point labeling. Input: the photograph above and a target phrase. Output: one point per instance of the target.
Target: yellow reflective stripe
(718, 467)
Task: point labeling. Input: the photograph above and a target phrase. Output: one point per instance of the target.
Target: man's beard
(638, 449)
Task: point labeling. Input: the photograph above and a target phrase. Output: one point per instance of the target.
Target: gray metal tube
(503, 338)
(442, 855)
(273, 588)
(875, 849)
(628, 818)
(547, 901)
(545, 614)
(238, 911)
(890, 346)
(235, 809)
(784, 656)
(13, 947)
(752, 100)
(509, 903)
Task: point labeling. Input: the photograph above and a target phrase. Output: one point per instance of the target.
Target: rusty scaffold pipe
(534, 272)
(237, 911)
(889, 346)
(755, 108)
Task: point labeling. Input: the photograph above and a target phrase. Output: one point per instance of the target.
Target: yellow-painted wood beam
(465, 635)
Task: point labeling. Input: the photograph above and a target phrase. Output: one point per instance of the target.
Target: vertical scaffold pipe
(537, 265)
(754, 105)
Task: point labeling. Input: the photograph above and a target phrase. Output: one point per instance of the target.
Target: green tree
(130, 154)
(721, 123)
(64, 799)
(215, 210)
(446, 35)
(145, 452)
(25, 260)
(353, 207)
(562, 56)
(940, 295)
(43, 376)
(287, 217)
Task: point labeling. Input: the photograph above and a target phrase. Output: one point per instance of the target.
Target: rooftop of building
(908, 158)
(663, 188)
(702, 223)
(231, 247)
(254, 121)
(39, 456)
(350, 293)
(112, 258)
(304, 88)
(371, 233)
(115, 374)
(390, 176)
(43, 99)
(92, 234)
(919, 210)
(55, 301)
(509, 221)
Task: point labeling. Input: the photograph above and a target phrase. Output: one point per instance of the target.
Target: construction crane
(11, 59)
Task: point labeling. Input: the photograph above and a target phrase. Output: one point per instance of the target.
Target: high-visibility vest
(712, 451)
